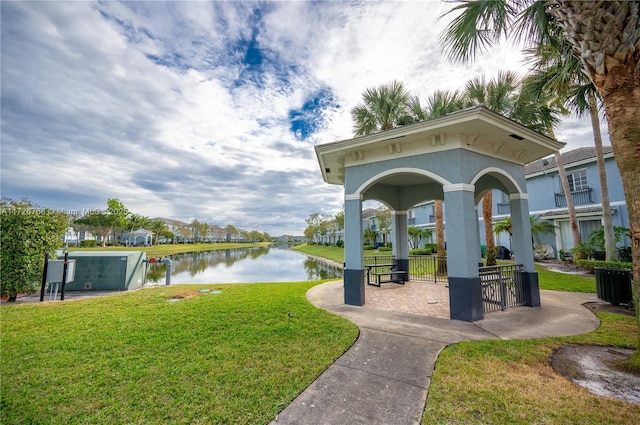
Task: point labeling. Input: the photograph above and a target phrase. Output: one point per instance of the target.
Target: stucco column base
(530, 288)
(354, 287)
(465, 299)
(402, 264)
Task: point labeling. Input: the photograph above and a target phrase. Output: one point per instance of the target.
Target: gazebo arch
(456, 158)
(510, 185)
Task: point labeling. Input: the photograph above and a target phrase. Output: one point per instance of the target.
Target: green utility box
(108, 270)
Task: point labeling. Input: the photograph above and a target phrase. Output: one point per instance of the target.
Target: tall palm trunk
(623, 114)
(573, 219)
(487, 216)
(609, 237)
(602, 35)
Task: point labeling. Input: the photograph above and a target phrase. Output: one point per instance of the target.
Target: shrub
(385, 248)
(625, 254)
(596, 238)
(28, 234)
(88, 243)
(431, 247)
(368, 247)
(340, 243)
(590, 265)
(420, 252)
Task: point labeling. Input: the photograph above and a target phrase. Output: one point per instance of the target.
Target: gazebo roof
(476, 129)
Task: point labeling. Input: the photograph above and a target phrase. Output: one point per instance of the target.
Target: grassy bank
(497, 382)
(238, 356)
(170, 249)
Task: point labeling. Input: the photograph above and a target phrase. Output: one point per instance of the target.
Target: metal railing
(501, 287)
(428, 268)
(421, 267)
(580, 197)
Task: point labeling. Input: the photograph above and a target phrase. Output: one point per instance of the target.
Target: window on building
(587, 227)
(578, 181)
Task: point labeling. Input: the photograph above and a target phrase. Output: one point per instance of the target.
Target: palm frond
(478, 25)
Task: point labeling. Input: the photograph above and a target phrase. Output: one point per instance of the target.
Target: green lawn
(557, 281)
(170, 249)
(239, 356)
(181, 356)
(498, 382)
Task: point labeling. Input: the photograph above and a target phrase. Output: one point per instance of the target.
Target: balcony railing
(580, 197)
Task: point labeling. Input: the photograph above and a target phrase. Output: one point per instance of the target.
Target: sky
(208, 110)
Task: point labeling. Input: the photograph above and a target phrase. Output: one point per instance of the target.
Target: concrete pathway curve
(384, 377)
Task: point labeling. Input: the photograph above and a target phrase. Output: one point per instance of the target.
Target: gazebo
(456, 158)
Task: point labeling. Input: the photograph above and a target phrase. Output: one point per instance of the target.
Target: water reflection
(257, 264)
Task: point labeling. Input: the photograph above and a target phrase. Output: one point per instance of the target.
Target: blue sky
(207, 110)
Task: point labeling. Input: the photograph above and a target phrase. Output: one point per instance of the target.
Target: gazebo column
(400, 240)
(523, 248)
(353, 256)
(465, 292)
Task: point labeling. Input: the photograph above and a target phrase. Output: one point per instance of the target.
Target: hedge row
(590, 265)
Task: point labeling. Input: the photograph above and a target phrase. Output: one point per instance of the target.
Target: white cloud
(157, 104)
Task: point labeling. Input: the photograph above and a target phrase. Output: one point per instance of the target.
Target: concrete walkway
(384, 377)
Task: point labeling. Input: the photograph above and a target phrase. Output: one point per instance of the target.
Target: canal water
(245, 265)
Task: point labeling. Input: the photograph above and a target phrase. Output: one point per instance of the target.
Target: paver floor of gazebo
(414, 297)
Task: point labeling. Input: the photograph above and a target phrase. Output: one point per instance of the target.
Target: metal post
(65, 266)
(44, 276)
(167, 261)
(503, 290)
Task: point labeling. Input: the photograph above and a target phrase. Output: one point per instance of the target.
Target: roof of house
(369, 212)
(568, 158)
(579, 211)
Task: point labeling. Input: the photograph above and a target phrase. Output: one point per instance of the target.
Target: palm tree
(438, 104)
(444, 102)
(382, 108)
(416, 234)
(604, 36)
(537, 227)
(158, 227)
(133, 222)
(558, 71)
(498, 95)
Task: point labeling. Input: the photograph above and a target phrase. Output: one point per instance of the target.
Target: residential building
(139, 237)
(73, 237)
(548, 201)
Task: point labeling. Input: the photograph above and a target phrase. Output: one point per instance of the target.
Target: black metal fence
(421, 267)
(501, 287)
(428, 268)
